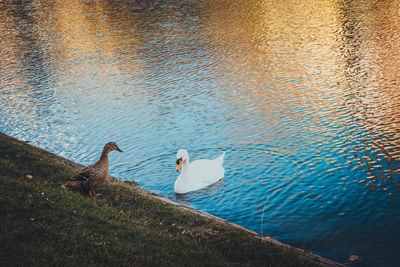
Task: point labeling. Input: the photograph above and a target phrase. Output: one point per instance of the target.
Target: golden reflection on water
(92, 47)
(279, 42)
(371, 68)
(90, 30)
(316, 57)
(12, 55)
(353, 47)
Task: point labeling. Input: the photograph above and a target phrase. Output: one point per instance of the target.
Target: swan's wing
(207, 171)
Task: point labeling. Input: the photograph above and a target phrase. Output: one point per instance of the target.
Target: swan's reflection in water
(204, 193)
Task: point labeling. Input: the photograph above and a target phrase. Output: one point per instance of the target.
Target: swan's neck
(185, 167)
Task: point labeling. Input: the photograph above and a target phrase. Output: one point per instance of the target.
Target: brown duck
(94, 175)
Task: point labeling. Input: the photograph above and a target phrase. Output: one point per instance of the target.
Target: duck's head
(110, 147)
(181, 156)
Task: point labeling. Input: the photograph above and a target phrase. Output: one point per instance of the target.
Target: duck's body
(94, 175)
(197, 174)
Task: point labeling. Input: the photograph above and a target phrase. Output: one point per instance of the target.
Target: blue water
(303, 98)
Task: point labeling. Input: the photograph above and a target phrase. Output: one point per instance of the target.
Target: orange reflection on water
(298, 64)
(334, 54)
(279, 42)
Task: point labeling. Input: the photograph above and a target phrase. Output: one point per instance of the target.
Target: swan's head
(181, 157)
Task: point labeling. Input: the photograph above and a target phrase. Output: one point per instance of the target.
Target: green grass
(41, 224)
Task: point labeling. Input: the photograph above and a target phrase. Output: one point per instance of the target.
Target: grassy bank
(41, 224)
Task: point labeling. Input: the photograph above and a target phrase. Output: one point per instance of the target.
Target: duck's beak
(178, 164)
(119, 149)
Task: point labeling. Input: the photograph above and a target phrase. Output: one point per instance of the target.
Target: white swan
(198, 174)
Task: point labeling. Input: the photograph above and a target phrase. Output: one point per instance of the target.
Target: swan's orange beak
(178, 164)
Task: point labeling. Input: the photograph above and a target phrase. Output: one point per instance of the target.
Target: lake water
(304, 98)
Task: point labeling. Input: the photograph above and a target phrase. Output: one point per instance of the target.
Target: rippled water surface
(304, 98)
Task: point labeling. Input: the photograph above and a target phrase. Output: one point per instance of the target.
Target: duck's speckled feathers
(88, 178)
(92, 176)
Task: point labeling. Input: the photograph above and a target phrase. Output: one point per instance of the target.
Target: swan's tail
(221, 157)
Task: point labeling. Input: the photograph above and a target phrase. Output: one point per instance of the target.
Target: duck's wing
(80, 181)
(83, 175)
(88, 176)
